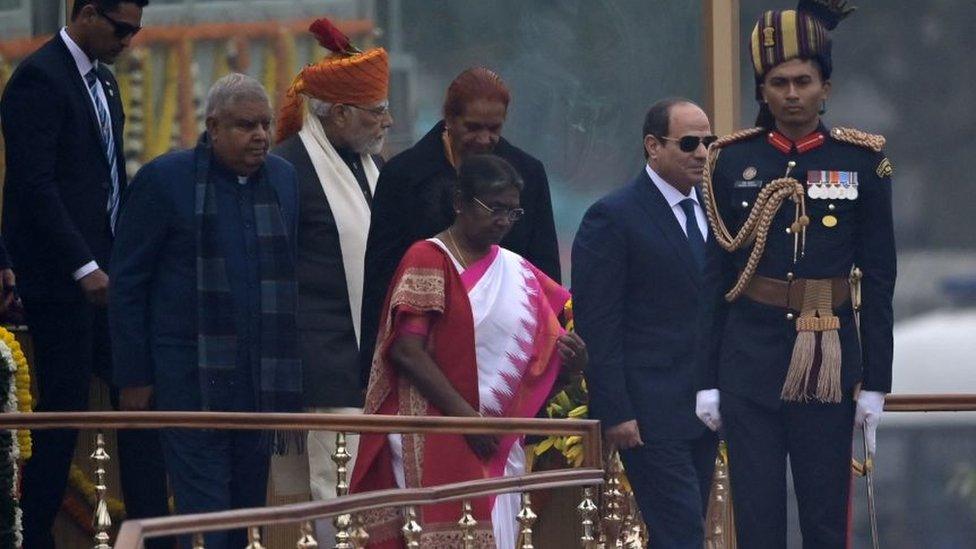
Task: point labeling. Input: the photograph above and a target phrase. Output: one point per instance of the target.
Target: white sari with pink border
(505, 296)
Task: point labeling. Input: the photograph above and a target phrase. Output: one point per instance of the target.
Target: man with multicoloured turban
(797, 334)
(331, 128)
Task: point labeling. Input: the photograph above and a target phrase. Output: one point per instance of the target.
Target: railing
(134, 532)
(931, 403)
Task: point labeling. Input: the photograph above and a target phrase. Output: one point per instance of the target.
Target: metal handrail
(133, 532)
(587, 428)
(950, 402)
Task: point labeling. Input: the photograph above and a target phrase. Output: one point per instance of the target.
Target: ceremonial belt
(787, 294)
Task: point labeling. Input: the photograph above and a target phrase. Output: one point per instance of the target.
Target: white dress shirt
(85, 65)
(674, 197)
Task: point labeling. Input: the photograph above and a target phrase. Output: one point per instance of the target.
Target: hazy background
(582, 75)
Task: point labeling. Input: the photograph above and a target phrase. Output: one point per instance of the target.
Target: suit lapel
(82, 94)
(662, 217)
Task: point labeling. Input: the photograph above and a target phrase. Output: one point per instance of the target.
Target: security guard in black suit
(799, 211)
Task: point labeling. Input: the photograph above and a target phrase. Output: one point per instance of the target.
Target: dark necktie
(695, 239)
(108, 145)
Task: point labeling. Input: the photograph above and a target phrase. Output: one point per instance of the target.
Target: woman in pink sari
(469, 329)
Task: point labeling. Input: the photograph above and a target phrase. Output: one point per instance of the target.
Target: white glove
(870, 404)
(706, 408)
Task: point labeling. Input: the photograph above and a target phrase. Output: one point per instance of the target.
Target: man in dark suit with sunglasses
(637, 276)
(62, 124)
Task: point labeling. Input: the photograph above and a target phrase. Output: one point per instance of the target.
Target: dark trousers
(71, 342)
(817, 438)
(671, 481)
(213, 470)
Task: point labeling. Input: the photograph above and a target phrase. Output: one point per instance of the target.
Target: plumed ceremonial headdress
(347, 75)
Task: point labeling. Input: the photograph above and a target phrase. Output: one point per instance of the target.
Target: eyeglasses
(382, 110)
(511, 214)
(122, 29)
(689, 143)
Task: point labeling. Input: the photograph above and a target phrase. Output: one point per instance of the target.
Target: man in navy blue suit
(637, 276)
(204, 296)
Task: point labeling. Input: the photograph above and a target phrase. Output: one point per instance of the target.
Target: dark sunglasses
(122, 29)
(689, 143)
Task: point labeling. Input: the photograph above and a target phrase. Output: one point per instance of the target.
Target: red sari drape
(427, 283)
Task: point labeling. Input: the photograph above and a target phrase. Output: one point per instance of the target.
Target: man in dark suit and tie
(637, 275)
(62, 124)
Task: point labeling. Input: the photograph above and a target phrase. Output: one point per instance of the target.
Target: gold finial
(467, 524)
(359, 535)
(307, 541)
(254, 538)
(587, 510)
(101, 519)
(526, 518)
(719, 523)
(633, 531)
(198, 541)
(613, 499)
(341, 457)
(412, 529)
(343, 539)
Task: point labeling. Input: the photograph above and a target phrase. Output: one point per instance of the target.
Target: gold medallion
(749, 173)
(829, 221)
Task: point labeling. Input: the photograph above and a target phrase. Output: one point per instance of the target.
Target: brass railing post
(342, 523)
(198, 541)
(467, 524)
(342, 538)
(359, 536)
(613, 501)
(254, 538)
(633, 534)
(307, 541)
(101, 520)
(587, 510)
(412, 529)
(526, 518)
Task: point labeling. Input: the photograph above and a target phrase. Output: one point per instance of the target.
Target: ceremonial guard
(797, 327)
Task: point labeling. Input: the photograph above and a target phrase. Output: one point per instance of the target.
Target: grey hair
(233, 88)
(318, 107)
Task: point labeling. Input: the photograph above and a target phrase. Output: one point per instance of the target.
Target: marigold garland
(80, 482)
(22, 384)
(161, 135)
(11, 526)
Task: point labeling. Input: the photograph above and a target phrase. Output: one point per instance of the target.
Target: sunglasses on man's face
(122, 29)
(689, 143)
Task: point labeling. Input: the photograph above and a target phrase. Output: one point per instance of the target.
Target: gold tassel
(828, 382)
(798, 376)
(815, 317)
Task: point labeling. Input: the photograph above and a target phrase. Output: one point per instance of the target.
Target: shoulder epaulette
(857, 137)
(738, 136)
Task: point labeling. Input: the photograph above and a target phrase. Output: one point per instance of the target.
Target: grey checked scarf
(279, 377)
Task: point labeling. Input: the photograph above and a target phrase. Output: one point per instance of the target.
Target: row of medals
(833, 190)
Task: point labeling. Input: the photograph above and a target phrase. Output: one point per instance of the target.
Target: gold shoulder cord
(756, 227)
(857, 137)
